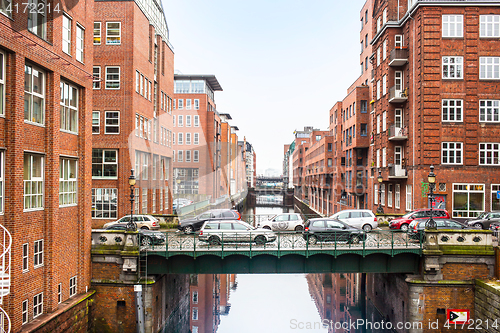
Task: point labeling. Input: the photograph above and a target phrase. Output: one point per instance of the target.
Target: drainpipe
(139, 309)
(413, 110)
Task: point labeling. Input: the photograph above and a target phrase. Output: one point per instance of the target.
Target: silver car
(147, 222)
(216, 232)
(359, 218)
(284, 222)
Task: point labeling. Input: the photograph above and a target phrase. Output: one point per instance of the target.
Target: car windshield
(407, 215)
(248, 225)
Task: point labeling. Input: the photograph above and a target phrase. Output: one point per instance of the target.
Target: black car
(195, 223)
(484, 220)
(146, 237)
(417, 227)
(325, 229)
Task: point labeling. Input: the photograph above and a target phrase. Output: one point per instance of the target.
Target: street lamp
(131, 225)
(431, 224)
(380, 210)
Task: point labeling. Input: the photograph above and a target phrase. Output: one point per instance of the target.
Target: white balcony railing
(4, 322)
(5, 249)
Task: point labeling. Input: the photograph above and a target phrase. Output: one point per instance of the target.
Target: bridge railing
(258, 241)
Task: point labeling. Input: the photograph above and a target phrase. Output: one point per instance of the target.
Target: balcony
(5, 254)
(397, 96)
(398, 57)
(396, 171)
(397, 133)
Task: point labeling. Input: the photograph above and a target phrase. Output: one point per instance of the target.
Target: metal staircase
(5, 278)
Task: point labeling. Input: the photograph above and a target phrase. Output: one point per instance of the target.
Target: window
(188, 104)
(384, 157)
(34, 95)
(145, 164)
(80, 38)
(72, 286)
(452, 110)
(97, 33)
(2, 83)
(389, 195)
(97, 77)
(180, 121)
(489, 26)
(96, 122)
(382, 194)
(113, 33)
(468, 200)
(112, 77)
(36, 16)
(451, 153)
(364, 130)
(378, 56)
(378, 89)
(378, 123)
(59, 293)
(195, 297)
(69, 108)
(38, 253)
(408, 197)
(67, 182)
(33, 181)
(453, 25)
(398, 41)
(495, 203)
(5, 7)
(196, 156)
(144, 200)
(489, 153)
(378, 158)
(180, 139)
(25, 311)
(2, 180)
(489, 68)
(188, 155)
(188, 138)
(196, 104)
(384, 85)
(104, 203)
(153, 201)
(25, 257)
(379, 23)
(180, 154)
(188, 121)
(397, 195)
(112, 122)
(141, 81)
(66, 34)
(180, 104)
(196, 121)
(104, 163)
(384, 16)
(384, 121)
(137, 201)
(37, 305)
(384, 50)
(375, 194)
(489, 110)
(452, 67)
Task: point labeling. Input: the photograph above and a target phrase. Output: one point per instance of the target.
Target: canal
(230, 303)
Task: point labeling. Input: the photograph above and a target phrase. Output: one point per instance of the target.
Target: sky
(282, 64)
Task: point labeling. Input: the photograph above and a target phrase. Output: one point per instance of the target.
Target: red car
(404, 221)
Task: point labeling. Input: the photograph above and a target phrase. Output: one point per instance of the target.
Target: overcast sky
(282, 64)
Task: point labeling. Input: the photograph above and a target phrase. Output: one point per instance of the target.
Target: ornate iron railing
(4, 322)
(5, 249)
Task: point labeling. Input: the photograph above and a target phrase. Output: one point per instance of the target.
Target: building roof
(210, 79)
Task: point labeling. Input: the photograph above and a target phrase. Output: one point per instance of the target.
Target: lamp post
(431, 224)
(131, 225)
(380, 210)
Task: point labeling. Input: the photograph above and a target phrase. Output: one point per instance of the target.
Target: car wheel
(367, 228)
(312, 240)
(299, 228)
(188, 229)
(404, 227)
(261, 240)
(478, 226)
(145, 241)
(144, 228)
(214, 240)
(355, 239)
(266, 227)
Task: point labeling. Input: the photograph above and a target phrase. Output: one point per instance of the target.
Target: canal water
(276, 303)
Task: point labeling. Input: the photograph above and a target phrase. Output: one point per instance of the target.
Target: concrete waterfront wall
(487, 306)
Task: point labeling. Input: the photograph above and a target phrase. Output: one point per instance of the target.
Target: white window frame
(375, 194)
(378, 56)
(180, 138)
(384, 157)
(196, 104)
(489, 110)
(489, 68)
(103, 163)
(467, 188)
(153, 201)
(378, 89)
(452, 26)
(68, 190)
(384, 121)
(457, 65)
(384, 50)
(137, 81)
(144, 201)
(38, 253)
(196, 156)
(34, 201)
(68, 109)
(382, 194)
(196, 138)
(398, 41)
(24, 310)
(96, 122)
(137, 201)
(452, 148)
(80, 43)
(377, 162)
(188, 120)
(187, 156)
(96, 80)
(37, 305)
(180, 104)
(494, 189)
(2, 83)
(409, 203)
(66, 33)
(196, 121)
(389, 195)
(113, 39)
(180, 156)
(73, 286)
(26, 260)
(489, 153)
(112, 122)
(102, 197)
(180, 121)
(188, 104)
(194, 315)
(384, 85)
(110, 83)
(397, 196)
(30, 95)
(37, 15)
(378, 124)
(145, 165)
(98, 34)
(188, 138)
(59, 293)
(451, 109)
(489, 26)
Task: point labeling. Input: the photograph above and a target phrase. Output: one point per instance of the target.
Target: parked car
(495, 227)
(328, 229)
(484, 220)
(284, 222)
(195, 223)
(359, 218)
(417, 227)
(404, 221)
(217, 231)
(181, 202)
(146, 237)
(142, 221)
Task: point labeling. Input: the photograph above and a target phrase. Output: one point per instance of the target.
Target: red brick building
(437, 103)
(132, 111)
(45, 157)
